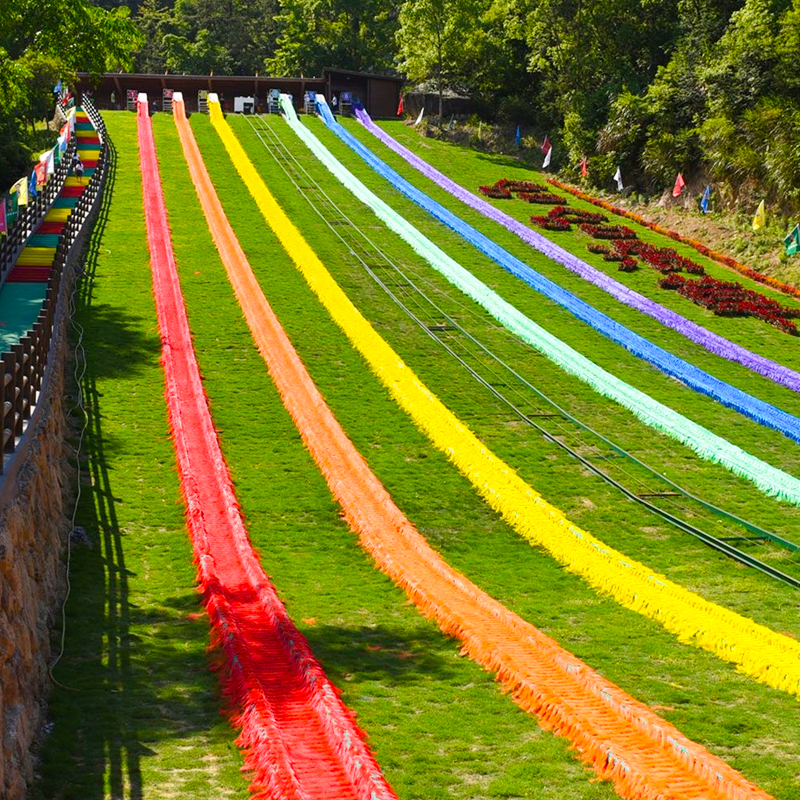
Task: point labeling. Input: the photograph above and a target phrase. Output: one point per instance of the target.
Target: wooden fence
(25, 364)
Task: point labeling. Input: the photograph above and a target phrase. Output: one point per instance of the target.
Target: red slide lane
(299, 739)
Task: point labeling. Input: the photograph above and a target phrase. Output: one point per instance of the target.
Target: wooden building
(378, 93)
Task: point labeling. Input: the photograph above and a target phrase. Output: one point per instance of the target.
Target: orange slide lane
(623, 739)
(300, 741)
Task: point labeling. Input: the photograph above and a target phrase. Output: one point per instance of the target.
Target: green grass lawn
(145, 722)
(475, 169)
(683, 683)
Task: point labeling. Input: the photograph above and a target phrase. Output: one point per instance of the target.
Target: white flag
(49, 162)
(549, 153)
(618, 178)
(419, 118)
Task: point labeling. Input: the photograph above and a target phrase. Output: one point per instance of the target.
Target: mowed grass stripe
(770, 445)
(536, 589)
(143, 720)
(472, 169)
(411, 690)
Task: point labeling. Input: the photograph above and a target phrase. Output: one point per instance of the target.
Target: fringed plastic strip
(701, 381)
(624, 740)
(712, 342)
(707, 445)
(770, 657)
(300, 741)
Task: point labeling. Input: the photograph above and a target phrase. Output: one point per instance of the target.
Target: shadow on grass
(500, 160)
(380, 653)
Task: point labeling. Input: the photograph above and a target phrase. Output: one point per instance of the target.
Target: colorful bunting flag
(760, 219)
(21, 189)
(792, 242)
(518, 137)
(32, 192)
(48, 160)
(547, 149)
(678, 187)
(419, 118)
(400, 107)
(704, 199)
(618, 179)
(3, 223)
(40, 170)
(584, 167)
(11, 209)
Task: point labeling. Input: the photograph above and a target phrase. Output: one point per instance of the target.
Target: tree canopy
(707, 87)
(42, 42)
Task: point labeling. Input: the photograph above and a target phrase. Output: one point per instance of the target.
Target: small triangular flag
(400, 107)
(618, 179)
(518, 137)
(678, 187)
(547, 149)
(704, 200)
(584, 167)
(760, 219)
(792, 242)
(419, 118)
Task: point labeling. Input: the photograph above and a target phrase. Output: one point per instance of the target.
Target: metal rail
(456, 340)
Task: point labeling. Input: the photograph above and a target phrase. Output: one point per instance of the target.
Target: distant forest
(710, 88)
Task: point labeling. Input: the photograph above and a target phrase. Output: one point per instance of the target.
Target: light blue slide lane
(764, 413)
(707, 445)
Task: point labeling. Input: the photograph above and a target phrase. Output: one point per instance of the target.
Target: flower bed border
(720, 258)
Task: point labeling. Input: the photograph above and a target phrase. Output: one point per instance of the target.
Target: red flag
(400, 106)
(679, 184)
(41, 173)
(546, 146)
(584, 167)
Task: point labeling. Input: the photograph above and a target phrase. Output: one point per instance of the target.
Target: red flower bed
(496, 193)
(730, 299)
(628, 265)
(608, 231)
(726, 261)
(575, 215)
(504, 189)
(552, 223)
(545, 197)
